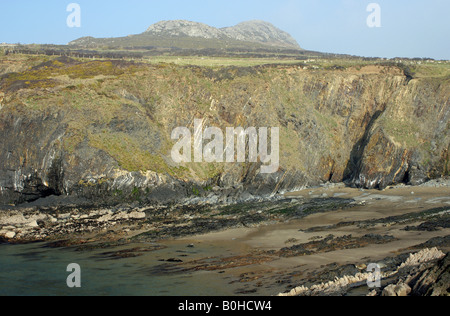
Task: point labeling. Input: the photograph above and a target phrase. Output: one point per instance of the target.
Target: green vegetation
(48, 73)
(240, 209)
(326, 120)
(215, 62)
(127, 109)
(403, 132)
(136, 193)
(91, 69)
(195, 191)
(414, 69)
(127, 152)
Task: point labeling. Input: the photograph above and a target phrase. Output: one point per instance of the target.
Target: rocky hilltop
(187, 34)
(100, 130)
(184, 28)
(261, 32)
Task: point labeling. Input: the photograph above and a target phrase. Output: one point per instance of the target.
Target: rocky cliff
(100, 131)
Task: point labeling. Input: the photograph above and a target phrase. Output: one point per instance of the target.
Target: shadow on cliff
(353, 169)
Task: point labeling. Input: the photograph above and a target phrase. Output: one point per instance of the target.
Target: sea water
(33, 269)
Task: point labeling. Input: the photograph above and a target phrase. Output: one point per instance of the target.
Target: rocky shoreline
(42, 221)
(318, 241)
(424, 273)
(36, 223)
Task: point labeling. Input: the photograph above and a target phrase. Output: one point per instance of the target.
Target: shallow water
(35, 270)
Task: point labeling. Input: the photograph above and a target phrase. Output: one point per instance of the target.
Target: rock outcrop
(425, 273)
(100, 131)
(261, 32)
(433, 280)
(400, 289)
(184, 28)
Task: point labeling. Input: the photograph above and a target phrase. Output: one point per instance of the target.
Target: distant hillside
(261, 32)
(193, 35)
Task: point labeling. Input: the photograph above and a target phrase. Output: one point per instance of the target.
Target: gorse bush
(45, 74)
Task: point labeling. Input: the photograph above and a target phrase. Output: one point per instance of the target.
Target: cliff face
(101, 130)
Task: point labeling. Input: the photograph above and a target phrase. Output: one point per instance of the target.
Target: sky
(408, 28)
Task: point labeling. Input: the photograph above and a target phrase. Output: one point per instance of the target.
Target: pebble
(361, 266)
(400, 289)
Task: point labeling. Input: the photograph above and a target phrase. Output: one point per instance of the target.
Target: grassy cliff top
(128, 108)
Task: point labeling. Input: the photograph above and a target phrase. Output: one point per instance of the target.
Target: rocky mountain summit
(251, 31)
(184, 28)
(181, 33)
(261, 32)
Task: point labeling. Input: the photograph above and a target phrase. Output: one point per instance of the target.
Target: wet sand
(368, 217)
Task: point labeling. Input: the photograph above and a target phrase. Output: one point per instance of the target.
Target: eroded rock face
(425, 273)
(432, 281)
(262, 32)
(184, 28)
(109, 140)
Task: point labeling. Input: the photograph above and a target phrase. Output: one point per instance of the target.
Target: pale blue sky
(409, 28)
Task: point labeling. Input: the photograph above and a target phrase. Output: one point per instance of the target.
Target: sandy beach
(393, 212)
(303, 240)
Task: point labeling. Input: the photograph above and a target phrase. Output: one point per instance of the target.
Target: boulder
(400, 289)
(10, 235)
